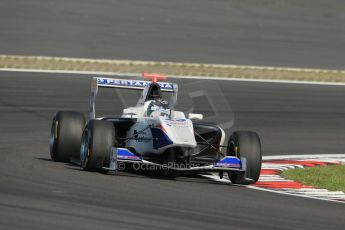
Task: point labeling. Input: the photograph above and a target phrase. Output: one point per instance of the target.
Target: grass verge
(170, 68)
(330, 177)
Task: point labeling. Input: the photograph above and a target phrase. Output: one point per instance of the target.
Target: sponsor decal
(142, 137)
(125, 154)
(131, 83)
(229, 162)
(160, 138)
(228, 165)
(178, 123)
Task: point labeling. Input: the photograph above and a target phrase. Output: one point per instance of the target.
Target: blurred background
(293, 33)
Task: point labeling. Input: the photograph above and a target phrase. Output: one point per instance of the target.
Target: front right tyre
(245, 144)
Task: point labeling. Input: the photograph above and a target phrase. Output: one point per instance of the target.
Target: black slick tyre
(97, 140)
(65, 136)
(245, 144)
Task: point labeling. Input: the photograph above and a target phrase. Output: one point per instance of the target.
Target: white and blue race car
(153, 133)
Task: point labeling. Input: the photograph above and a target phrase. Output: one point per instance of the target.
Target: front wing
(228, 163)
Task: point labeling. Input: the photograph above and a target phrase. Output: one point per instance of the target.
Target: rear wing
(125, 84)
(131, 84)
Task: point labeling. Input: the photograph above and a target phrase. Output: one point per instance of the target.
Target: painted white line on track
(293, 194)
(171, 76)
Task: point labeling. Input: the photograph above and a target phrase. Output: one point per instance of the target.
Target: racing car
(153, 133)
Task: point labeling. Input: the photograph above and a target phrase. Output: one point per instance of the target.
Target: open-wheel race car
(153, 133)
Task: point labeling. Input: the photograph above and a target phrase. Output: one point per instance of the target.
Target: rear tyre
(245, 144)
(66, 131)
(97, 140)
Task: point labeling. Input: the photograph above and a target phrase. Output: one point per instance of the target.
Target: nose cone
(180, 132)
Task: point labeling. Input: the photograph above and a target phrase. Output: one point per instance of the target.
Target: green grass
(329, 177)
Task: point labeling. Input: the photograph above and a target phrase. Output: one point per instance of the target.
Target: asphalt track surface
(36, 193)
(293, 33)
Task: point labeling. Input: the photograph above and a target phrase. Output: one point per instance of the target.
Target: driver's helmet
(154, 92)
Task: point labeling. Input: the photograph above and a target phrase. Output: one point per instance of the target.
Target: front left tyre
(97, 140)
(65, 136)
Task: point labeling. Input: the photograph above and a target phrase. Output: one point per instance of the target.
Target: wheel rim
(85, 150)
(233, 149)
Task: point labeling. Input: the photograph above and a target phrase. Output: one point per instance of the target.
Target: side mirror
(195, 116)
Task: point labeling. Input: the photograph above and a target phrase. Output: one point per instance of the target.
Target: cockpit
(157, 99)
(155, 104)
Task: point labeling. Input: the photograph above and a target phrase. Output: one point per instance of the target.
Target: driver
(157, 106)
